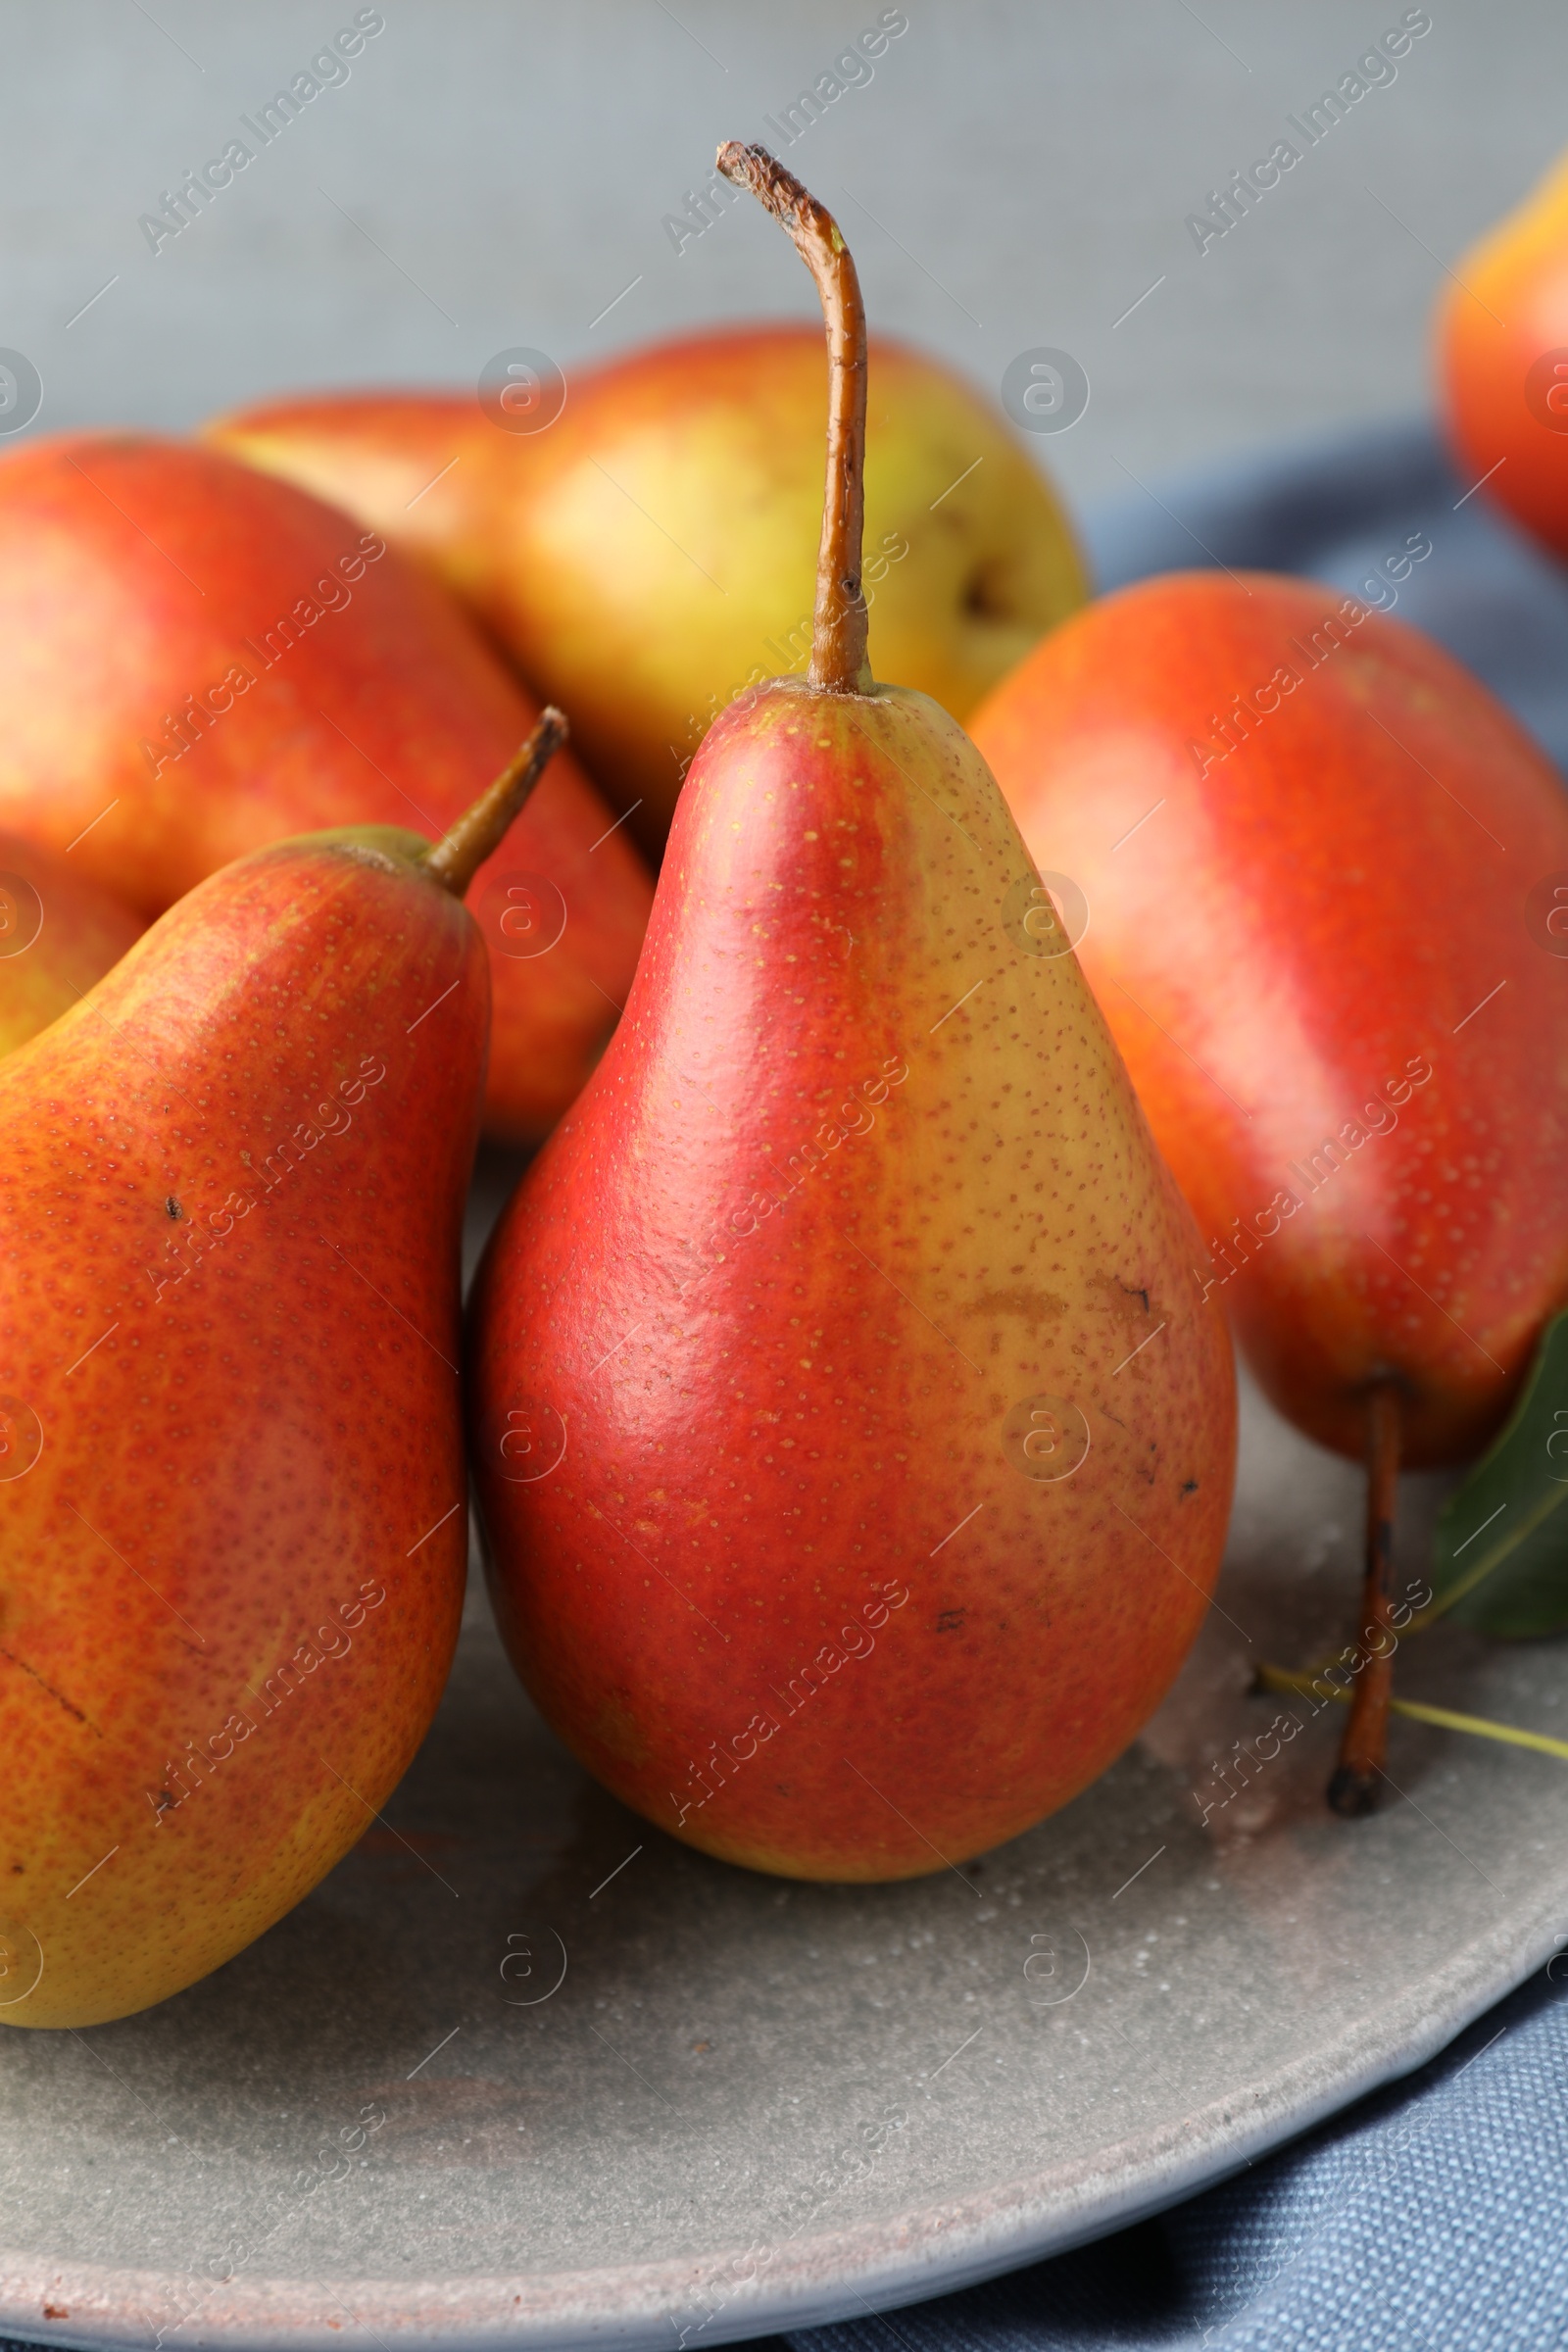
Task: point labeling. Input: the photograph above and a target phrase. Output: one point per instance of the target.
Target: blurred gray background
(1009, 176)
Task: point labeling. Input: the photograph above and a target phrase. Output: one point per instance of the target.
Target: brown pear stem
(459, 855)
(838, 632)
(1358, 1778)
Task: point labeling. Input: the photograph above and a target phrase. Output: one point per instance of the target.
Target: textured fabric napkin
(1428, 2218)
(1431, 2217)
(1334, 510)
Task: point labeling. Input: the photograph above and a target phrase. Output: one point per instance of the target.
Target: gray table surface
(1012, 176)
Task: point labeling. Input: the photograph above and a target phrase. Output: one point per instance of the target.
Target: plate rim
(912, 2255)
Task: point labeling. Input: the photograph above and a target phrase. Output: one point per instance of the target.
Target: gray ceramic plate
(523, 2069)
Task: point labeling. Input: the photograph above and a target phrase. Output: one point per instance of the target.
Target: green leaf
(1500, 1553)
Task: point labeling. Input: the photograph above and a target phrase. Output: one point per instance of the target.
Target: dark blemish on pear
(951, 1619)
(171, 1207)
(1122, 1297)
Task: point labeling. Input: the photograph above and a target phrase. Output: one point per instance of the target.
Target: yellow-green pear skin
(649, 552)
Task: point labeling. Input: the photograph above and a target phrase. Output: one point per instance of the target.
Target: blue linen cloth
(1334, 510)
(1428, 2218)
(1433, 2215)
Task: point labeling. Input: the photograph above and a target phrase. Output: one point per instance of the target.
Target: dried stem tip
(458, 857)
(838, 637)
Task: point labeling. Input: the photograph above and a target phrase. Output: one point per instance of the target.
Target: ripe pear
(1327, 885)
(195, 660)
(853, 1443)
(646, 555)
(1502, 334)
(59, 933)
(1366, 1111)
(232, 1535)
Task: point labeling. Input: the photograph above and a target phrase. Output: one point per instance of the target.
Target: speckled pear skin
(231, 1183)
(858, 1178)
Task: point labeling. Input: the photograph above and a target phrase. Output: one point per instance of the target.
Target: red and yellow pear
(195, 661)
(1326, 875)
(1501, 336)
(232, 1523)
(853, 1445)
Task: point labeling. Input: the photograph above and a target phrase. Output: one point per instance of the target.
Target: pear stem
(459, 855)
(838, 663)
(1356, 1782)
